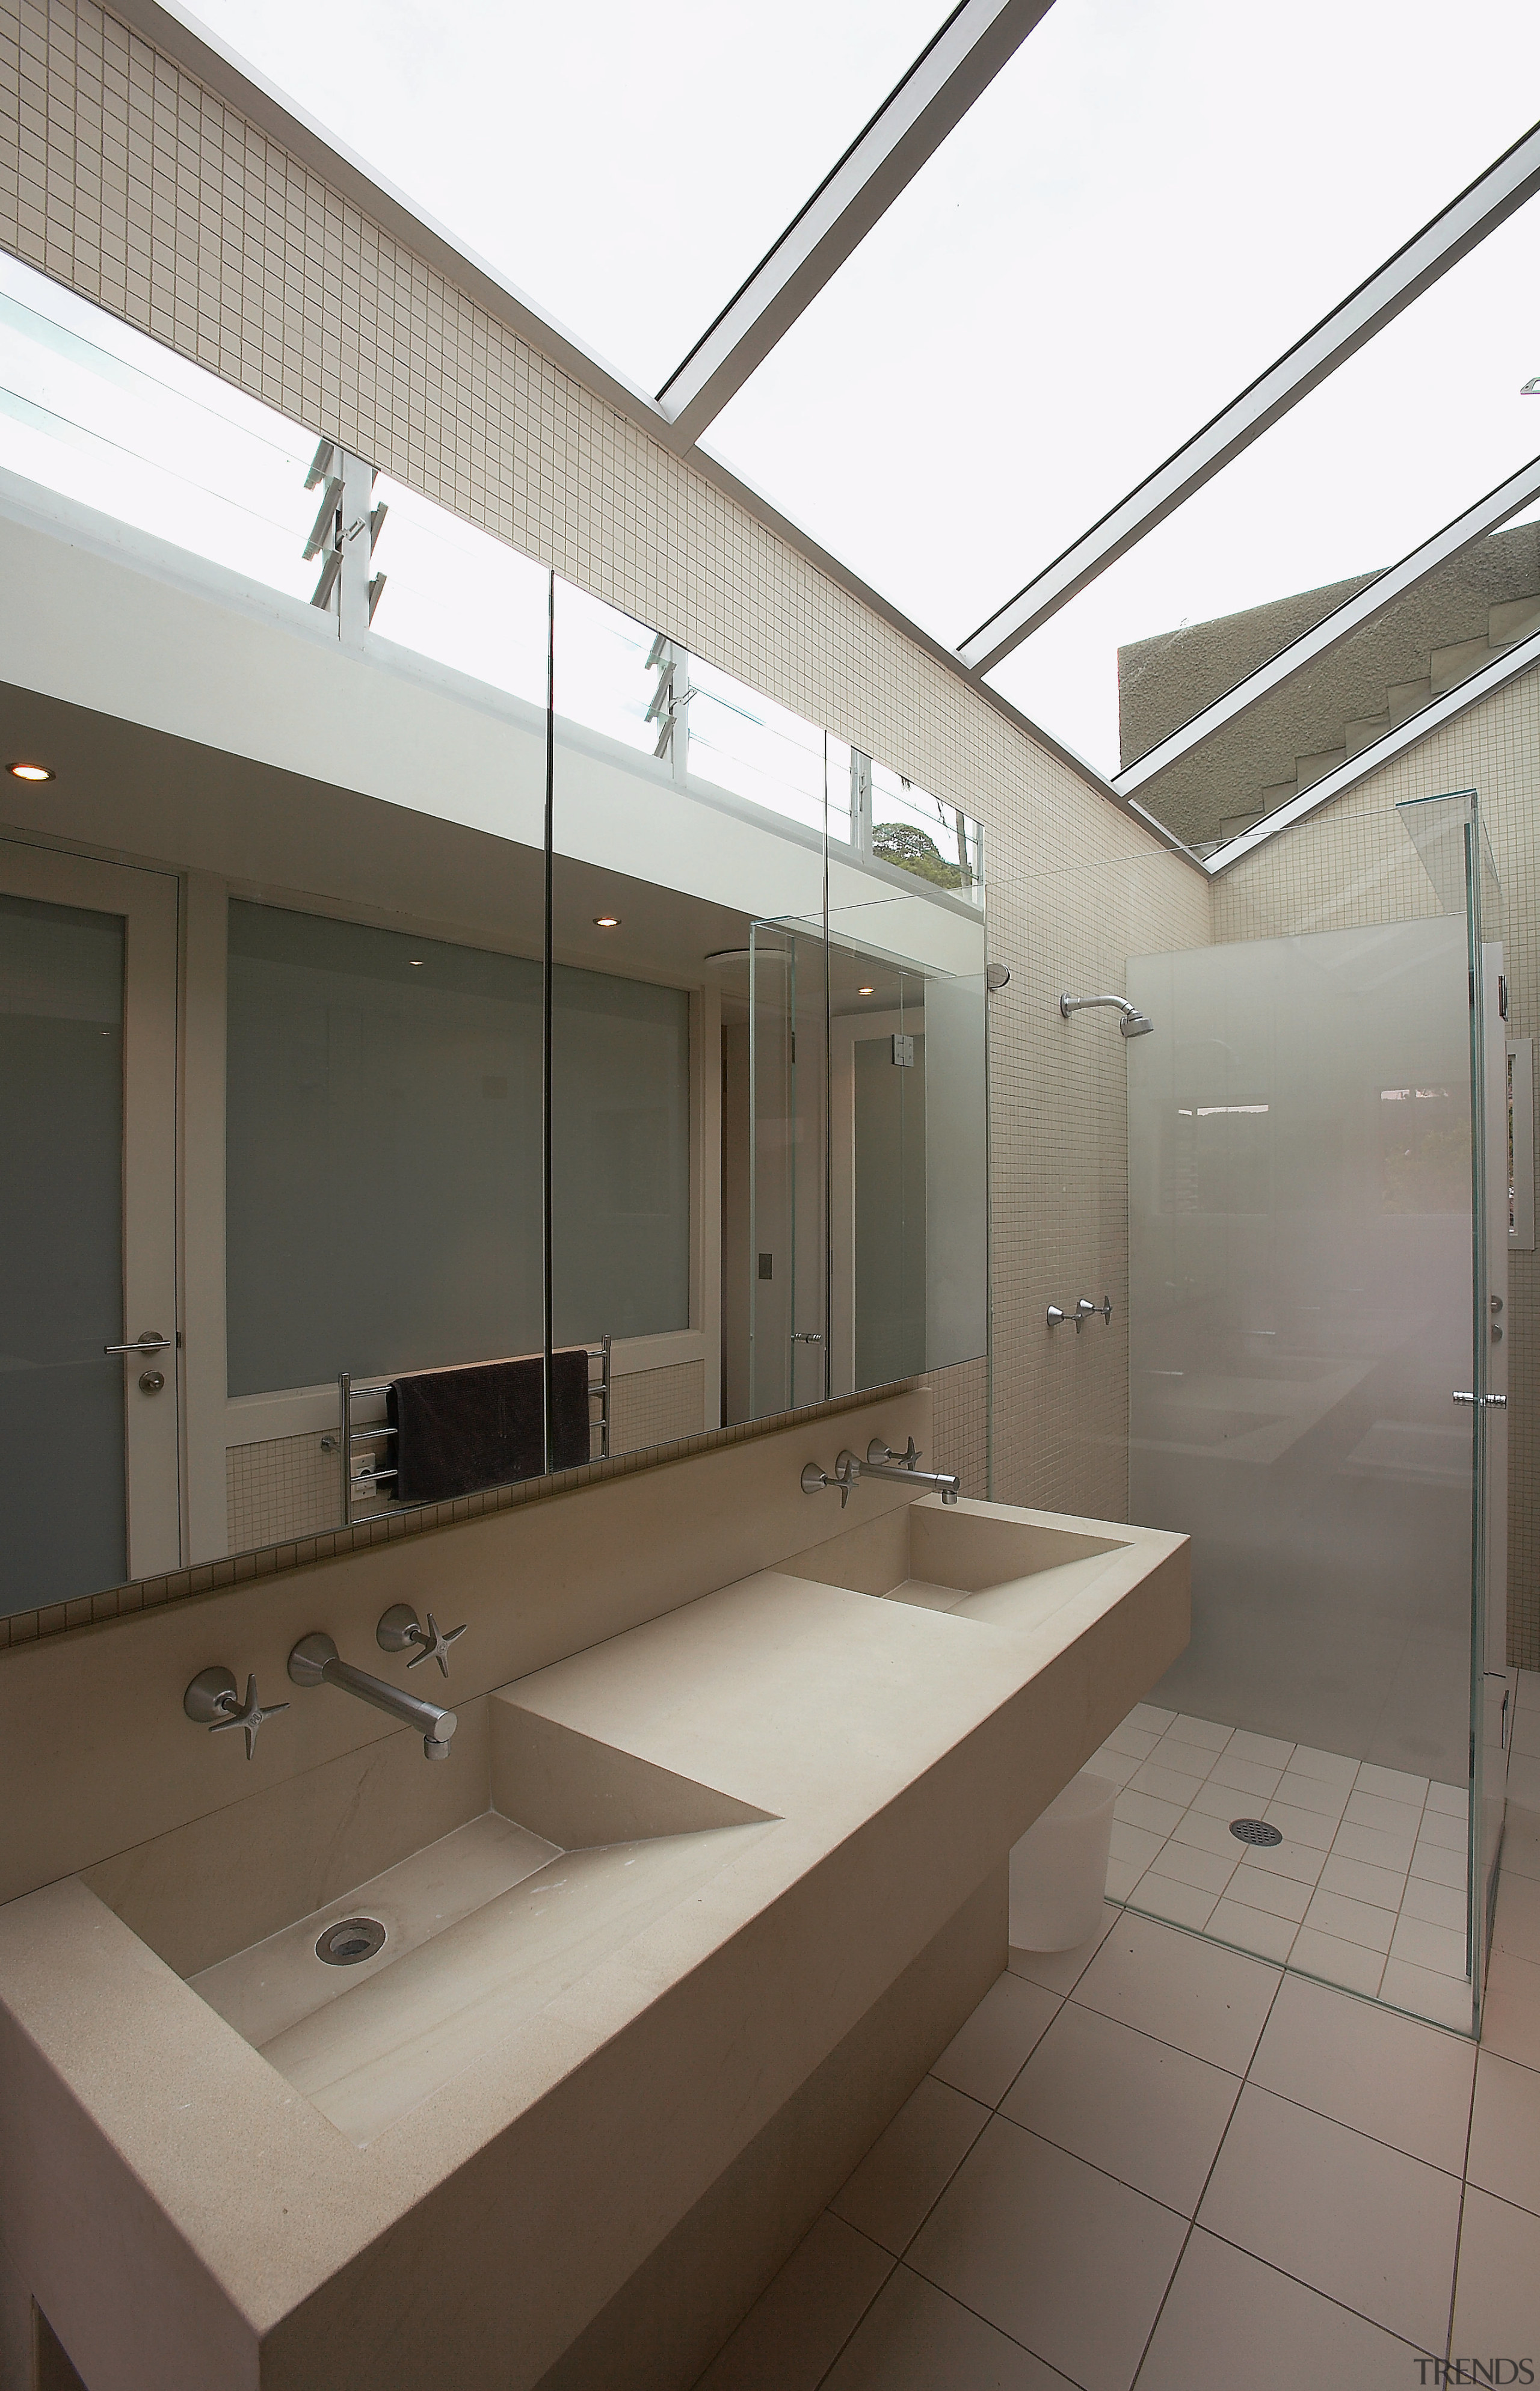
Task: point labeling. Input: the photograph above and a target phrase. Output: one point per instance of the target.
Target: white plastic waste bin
(1058, 1869)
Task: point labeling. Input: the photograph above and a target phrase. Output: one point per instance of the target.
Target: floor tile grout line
(1453, 2175)
(869, 2305)
(1459, 2224)
(1502, 2198)
(1346, 2305)
(1105, 2173)
(1192, 2223)
(1144, 2031)
(949, 2294)
(901, 2255)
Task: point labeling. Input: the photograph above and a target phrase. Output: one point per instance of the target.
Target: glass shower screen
(1308, 1300)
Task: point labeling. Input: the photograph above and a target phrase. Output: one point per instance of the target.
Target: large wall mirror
(329, 1186)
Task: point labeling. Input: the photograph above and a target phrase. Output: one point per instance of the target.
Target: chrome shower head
(1133, 1023)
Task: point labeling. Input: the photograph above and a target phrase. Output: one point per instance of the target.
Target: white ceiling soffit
(1484, 516)
(965, 55)
(1465, 223)
(1466, 694)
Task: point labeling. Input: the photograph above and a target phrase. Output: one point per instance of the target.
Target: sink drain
(1254, 1830)
(355, 1939)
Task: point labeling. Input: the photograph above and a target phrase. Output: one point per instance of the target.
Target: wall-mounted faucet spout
(1133, 1023)
(883, 1462)
(314, 1660)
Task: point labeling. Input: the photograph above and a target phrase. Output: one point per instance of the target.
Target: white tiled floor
(1162, 2163)
(1367, 1888)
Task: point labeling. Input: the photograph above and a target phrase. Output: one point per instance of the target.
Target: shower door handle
(1497, 1403)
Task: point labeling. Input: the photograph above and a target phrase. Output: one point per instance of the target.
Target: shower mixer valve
(1084, 1310)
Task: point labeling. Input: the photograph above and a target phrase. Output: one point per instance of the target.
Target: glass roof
(624, 167)
(1148, 206)
(1401, 440)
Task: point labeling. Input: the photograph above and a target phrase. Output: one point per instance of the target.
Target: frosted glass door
(1303, 1287)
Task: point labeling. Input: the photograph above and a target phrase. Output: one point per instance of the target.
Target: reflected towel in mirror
(482, 1424)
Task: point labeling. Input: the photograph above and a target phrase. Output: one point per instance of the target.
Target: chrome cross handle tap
(847, 1471)
(1086, 1310)
(398, 1632)
(883, 1462)
(211, 1700)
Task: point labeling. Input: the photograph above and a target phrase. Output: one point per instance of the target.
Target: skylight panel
(625, 168)
(1148, 206)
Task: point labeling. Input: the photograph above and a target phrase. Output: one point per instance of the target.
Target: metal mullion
(1486, 515)
(1416, 266)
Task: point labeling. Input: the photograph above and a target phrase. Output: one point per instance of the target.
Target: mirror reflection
(292, 1084)
(811, 931)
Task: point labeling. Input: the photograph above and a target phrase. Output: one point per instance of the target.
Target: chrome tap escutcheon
(398, 1632)
(847, 1471)
(213, 1701)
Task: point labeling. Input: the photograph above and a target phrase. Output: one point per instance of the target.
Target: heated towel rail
(370, 1436)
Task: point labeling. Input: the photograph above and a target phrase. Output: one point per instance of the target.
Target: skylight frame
(1488, 514)
(1461, 226)
(957, 64)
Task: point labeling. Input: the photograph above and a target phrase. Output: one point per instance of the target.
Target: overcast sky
(1154, 199)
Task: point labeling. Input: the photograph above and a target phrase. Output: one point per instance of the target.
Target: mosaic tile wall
(960, 1425)
(286, 1486)
(1058, 1135)
(1352, 863)
(656, 1406)
(122, 176)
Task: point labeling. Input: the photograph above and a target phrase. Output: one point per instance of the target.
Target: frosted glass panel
(890, 1208)
(384, 1207)
(1300, 1165)
(62, 1402)
(620, 1186)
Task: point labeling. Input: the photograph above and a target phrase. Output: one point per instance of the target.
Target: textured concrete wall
(1426, 640)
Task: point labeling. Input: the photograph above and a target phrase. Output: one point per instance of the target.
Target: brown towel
(460, 1430)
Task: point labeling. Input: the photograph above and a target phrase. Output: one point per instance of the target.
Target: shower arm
(1133, 1023)
(1069, 1005)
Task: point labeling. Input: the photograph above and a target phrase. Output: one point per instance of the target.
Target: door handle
(151, 1342)
(1497, 1403)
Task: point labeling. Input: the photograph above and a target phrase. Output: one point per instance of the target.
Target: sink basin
(579, 1848)
(685, 1914)
(980, 1561)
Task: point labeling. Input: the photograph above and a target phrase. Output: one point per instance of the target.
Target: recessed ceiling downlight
(606, 921)
(866, 992)
(30, 772)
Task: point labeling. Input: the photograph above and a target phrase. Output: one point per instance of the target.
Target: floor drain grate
(1254, 1830)
(353, 1939)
